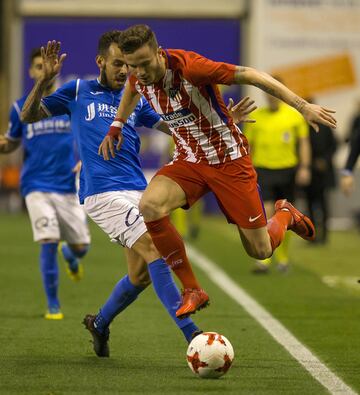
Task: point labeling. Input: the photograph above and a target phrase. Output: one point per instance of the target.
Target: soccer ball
(210, 355)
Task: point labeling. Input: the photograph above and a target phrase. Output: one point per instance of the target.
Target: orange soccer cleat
(193, 299)
(301, 224)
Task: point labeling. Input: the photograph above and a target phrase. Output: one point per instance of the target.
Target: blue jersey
(49, 152)
(92, 108)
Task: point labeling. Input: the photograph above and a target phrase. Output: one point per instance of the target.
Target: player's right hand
(52, 63)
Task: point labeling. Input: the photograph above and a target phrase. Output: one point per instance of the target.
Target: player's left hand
(107, 145)
(303, 176)
(315, 114)
(241, 110)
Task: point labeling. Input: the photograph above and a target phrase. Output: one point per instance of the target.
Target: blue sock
(169, 295)
(122, 295)
(50, 273)
(72, 256)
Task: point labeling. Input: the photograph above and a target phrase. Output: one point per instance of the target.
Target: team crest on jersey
(174, 93)
(286, 137)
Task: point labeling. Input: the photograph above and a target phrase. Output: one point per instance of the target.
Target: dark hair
(35, 53)
(137, 36)
(107, 39)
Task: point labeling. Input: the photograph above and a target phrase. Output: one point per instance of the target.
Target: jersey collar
(107, 88)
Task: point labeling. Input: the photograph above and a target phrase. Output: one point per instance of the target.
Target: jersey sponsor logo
(104, 110)
(44, 222)
(253, 219)
(132, 216)
(179, 118)
(47, 126)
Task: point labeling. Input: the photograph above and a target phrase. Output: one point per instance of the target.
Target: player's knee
(261, 251)
(79, 250)
(150, 209)
(146, 248)
(141, 279)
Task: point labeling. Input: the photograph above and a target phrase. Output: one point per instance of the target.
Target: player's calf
(256, 243)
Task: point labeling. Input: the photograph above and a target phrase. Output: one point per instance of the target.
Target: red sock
(277, 226)
(171, 246)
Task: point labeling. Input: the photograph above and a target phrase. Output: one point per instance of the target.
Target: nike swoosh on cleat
(252, 219)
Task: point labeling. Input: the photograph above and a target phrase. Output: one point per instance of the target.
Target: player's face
(113, 70)
(147, 64)
(35, 70)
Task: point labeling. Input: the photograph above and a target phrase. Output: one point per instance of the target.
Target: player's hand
(114, 133)
(241, 110)
(3, 142)
(315, 114)
(77, 167)
(52, 62)
(303, 176)
(347, 184)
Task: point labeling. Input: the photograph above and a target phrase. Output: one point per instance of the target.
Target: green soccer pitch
(317, 301)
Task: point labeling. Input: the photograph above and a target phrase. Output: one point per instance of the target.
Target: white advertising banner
(314, 46)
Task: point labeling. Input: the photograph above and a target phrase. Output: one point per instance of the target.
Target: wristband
(115, 128)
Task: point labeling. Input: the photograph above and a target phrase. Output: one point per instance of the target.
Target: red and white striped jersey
(188, 100)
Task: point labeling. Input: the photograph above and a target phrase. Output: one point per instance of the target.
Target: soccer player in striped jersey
(111, 192)
(211, 152)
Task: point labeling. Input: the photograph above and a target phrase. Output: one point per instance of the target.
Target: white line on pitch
(303, 355)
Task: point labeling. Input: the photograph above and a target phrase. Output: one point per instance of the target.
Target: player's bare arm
(127, 106)
(7, 145)
(313, 113)
(52, 64)
(163, 127)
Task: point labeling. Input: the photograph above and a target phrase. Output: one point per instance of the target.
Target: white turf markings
(303, 355)
(342, 281)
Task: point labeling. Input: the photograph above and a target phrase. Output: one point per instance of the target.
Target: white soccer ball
(210, 355)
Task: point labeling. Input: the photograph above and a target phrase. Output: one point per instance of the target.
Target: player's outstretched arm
(7, 145)
(127, 106)
(313, 113)
(52, 63)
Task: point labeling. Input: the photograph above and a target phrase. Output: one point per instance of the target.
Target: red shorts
(234, 185)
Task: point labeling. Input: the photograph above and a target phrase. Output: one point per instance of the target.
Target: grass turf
(147, 351)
